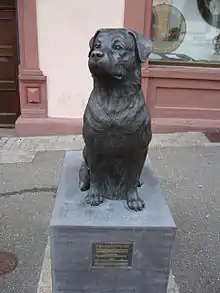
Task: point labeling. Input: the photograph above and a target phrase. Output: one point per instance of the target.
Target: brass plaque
(112, 255)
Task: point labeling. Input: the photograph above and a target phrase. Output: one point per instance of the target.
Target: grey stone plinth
(77, 227)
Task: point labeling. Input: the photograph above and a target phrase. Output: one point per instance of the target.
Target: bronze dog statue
(116, 121)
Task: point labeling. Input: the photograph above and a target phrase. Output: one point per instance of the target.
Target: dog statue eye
(118, 47)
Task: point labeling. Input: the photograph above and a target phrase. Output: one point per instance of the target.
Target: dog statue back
(116, 121)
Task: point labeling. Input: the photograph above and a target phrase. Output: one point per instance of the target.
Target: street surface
(189, 176)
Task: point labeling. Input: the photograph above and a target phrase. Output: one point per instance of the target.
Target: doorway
(9, 89)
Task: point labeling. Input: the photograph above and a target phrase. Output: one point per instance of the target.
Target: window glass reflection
(186, 31)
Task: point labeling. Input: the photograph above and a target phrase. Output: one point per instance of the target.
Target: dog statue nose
(97, 54)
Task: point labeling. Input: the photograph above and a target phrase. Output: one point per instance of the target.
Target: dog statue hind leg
(84, 176)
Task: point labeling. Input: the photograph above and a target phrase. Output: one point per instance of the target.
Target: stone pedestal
(109, 248)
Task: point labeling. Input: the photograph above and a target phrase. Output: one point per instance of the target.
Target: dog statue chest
(111, 115)
(119, 132)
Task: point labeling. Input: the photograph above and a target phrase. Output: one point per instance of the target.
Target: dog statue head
(117, 54)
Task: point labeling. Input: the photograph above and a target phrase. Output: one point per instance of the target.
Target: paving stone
(178, 139)
(18, 156)
(3, 140)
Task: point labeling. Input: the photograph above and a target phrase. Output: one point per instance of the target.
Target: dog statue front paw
(134, 202)
(94, 198)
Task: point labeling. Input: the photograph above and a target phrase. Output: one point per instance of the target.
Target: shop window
(186, 31)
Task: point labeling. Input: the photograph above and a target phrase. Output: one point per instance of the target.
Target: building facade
(45, 82)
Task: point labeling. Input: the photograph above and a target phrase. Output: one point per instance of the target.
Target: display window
(186, 31)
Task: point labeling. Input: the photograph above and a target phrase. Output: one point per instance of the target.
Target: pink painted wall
(64, 30)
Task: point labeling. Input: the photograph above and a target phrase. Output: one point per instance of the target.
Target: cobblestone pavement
(24, 149)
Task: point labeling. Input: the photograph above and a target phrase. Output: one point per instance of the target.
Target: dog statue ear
(92, 41)
(143, 44)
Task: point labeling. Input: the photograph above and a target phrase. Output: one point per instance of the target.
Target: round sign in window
(210, 11)
(168, 28)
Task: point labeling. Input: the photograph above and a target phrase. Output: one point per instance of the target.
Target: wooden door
(9, 93)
